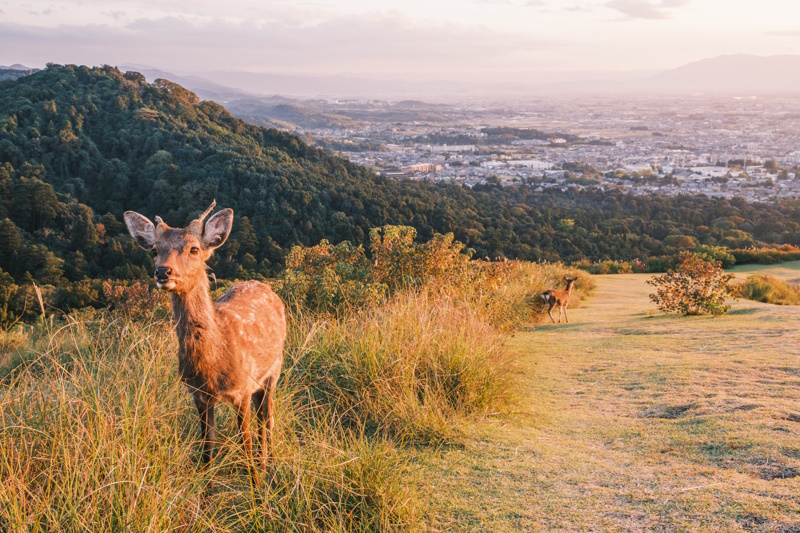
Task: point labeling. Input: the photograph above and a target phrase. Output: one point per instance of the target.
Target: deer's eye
(154, 252)
(193, 250)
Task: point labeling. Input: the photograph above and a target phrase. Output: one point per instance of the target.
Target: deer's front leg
(205, 408)
(243, 414)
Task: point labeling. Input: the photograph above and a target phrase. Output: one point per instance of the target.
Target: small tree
(696, 287)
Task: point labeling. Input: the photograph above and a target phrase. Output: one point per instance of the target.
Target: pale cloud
(646, 9)
(374, 45)
(785, 33)
(452, 39)
(515, 3)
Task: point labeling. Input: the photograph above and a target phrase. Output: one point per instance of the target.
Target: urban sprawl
(742, 146)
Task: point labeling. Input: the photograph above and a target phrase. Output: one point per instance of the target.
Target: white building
(533, 164)
(451, 148)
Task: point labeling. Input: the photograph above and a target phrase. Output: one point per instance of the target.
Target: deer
(553, 297)
(230, 350)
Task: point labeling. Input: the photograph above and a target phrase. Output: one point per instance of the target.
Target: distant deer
(230, 350)
(553, 297)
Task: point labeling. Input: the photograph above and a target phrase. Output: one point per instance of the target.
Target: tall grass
(97, 433)
(768, 289)
(411, 368)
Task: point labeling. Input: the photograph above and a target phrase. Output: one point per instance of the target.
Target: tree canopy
(80, 145)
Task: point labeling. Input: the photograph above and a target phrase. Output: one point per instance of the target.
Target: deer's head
(180, 254)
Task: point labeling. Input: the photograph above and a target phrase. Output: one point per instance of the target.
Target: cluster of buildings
(748, 147)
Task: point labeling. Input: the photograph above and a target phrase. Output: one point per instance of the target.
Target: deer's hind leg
(269, 414)
(544, 306)
(550, 310)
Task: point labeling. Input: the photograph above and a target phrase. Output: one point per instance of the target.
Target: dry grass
(768, 289)
(97, 433)
(636, 422)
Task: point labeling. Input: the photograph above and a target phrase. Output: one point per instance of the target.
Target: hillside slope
(79, 146)
(634, 422)
(77, 143)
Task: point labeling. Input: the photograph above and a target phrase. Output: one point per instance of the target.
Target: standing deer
(553, 297)
(230, 350)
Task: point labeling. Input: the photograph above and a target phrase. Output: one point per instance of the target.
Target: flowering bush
(696, 287)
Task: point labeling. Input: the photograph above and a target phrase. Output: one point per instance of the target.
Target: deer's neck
(197, 328)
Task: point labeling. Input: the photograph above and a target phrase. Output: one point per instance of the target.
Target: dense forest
(79, 146)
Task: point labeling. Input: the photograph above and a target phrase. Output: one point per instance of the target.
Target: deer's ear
(218, 228)
(141, 229)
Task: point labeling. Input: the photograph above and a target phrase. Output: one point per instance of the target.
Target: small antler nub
(207, 211)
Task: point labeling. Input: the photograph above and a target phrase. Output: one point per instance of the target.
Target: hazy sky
(493, 40)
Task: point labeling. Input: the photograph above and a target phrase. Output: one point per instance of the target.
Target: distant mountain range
(731, 74)
(15, 71)
(728, 75)
(740, 74)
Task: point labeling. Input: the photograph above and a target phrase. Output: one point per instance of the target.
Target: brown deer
(230, 350)
(553, 297)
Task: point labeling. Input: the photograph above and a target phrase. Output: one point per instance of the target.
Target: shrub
(696, 287)
(766, 256)
(8, 290)
(329, 278)
(680, 242)
(77, 295)
(136, 301)
(768, 290)
(612, 267)
(715, 253)
(399, 263)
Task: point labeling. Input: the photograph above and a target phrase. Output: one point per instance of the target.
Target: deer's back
(253, 323)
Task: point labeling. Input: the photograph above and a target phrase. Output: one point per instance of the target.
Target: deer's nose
(163, 273)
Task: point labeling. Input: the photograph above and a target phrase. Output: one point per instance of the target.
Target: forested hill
(79, 146)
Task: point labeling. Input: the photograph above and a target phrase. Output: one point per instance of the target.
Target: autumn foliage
(695, 287)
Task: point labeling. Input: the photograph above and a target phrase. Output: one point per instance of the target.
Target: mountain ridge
(724, 74)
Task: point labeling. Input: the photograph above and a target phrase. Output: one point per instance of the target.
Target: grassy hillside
(631, 421)
(98, 433)
(622, 420)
